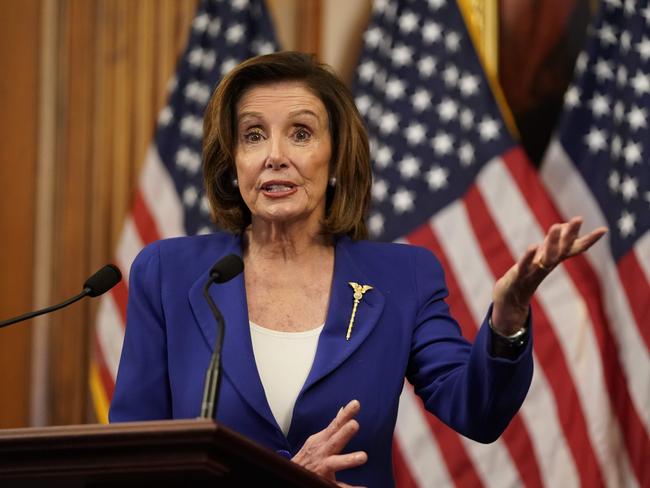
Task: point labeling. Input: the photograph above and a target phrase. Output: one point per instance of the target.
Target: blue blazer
(402, 329)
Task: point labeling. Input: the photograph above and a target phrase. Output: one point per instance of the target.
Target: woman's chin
(282, 216)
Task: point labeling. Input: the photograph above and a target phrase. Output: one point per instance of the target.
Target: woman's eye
(302, 135)
(253, 136)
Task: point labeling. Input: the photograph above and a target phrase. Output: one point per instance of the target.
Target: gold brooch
(359, 290)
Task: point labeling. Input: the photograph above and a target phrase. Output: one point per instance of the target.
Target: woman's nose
(276, 159)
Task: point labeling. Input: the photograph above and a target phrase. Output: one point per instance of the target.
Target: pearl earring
(332, 181)
(235, 182)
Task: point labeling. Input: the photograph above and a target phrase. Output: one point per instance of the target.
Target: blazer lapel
(237, 358)
(333, 347)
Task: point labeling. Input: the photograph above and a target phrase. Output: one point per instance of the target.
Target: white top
(283, 361)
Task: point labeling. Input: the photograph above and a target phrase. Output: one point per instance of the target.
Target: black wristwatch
(507, 346)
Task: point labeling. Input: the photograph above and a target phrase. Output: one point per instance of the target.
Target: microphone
(103, 280)
(98, 284)
(224, 270)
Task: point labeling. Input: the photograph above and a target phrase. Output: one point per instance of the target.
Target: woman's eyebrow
(304, 111)
(320, 121)
(248, 115)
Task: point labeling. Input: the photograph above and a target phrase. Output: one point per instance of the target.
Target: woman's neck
(286, 241)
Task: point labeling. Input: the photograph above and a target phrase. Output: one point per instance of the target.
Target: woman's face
(283, 153)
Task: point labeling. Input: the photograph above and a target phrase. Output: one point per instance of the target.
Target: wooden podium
(170, 453)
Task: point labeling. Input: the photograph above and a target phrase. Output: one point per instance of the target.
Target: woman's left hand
(513, 291)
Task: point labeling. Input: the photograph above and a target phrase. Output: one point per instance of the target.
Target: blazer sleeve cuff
(498, 348)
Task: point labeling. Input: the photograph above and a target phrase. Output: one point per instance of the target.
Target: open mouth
(277, 187)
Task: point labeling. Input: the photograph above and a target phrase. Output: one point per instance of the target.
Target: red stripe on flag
(637, 439)
(458, 462)
(516, 436)
(499, 260)
(120, 295)
(547, 346)
(403, 478)
(637, 290)
(460, 466)
(144, 222)
(104, 374)
(423, 236)
(520, 446)
(587, 282)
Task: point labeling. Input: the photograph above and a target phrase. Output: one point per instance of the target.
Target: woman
(321, 322)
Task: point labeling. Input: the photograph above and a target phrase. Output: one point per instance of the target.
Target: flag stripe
(637, 290)
(458, 244)
(631, 275)
(458, 463)
(110, 333)
(635, 435)
(120, 295)
(548, 440)
(573, 198)
(634, 432)
(594, 167)
(550, 449)
(421, 452)
(144, 222)
(423, 236)
(549, 357)
(161, 198)
(128, 247)
(571, 352)
(565, 305)
(642, 251)
(499, 260)
(455, 453)
(401, 471)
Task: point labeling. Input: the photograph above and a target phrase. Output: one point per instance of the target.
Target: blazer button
(284, 453)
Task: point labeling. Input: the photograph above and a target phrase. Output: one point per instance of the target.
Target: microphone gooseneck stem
(213, 374)
(36, 313)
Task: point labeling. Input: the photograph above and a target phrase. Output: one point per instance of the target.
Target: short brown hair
(347, 202)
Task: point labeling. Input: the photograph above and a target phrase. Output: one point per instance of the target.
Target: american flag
(598, 166)
(449, 176)
(170, 200)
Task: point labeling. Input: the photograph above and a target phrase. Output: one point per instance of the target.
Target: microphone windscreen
(103, 280)
(226, 268)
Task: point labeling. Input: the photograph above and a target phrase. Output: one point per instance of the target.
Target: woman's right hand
(320, 452)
